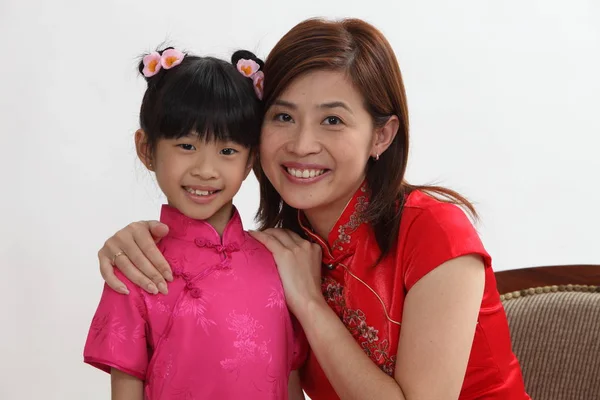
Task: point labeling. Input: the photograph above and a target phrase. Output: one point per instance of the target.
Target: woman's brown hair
(364, 54)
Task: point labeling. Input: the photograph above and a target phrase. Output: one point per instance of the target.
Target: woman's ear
(384, 136)
(143, 149)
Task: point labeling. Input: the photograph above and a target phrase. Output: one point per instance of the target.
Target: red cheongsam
(369, 296)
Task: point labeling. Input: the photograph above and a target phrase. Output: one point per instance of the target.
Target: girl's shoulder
(256, 249)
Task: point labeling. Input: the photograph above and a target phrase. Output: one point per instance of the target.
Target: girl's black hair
(204, 96)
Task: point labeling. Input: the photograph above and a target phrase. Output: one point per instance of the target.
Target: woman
(390, 282)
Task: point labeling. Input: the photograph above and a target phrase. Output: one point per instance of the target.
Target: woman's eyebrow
(336, 104)
(285, 103)
(329, 105)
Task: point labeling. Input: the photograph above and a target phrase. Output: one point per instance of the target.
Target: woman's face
(316, 140)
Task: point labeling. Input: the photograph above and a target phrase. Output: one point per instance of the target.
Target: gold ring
(120, 253)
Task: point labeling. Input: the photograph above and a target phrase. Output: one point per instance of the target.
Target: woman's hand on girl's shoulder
(299, 265)
(134, 252)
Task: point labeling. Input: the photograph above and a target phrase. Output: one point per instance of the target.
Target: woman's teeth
(199, 192)
(305, 173)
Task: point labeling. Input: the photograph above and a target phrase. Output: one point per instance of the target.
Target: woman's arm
(125, 387)
(438, 328)
(349, 370)
(439, 319)
(140, 259)
(438, 325)
(294, 388)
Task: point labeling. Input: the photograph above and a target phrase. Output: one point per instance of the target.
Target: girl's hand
(299, 265)
(134, 252)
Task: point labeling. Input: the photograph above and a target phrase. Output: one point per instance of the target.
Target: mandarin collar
(196, 230)
(349, 227)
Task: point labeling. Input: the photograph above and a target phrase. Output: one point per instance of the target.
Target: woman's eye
(332, 121)
(186, 146)
(228, 151)
(283, 117)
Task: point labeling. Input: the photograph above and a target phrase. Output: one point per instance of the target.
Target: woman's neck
(321, 222)
(323, 219)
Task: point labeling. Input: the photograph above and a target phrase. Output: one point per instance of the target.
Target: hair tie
(251, 69)
(154, 61)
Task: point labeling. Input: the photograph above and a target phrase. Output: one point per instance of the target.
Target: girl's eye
(332, 121)
(228, 151)
(283, 117)
(187, 146)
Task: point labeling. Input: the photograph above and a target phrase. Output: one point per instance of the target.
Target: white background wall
(504, 100)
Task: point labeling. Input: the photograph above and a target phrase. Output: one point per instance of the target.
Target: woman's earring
(376, 157)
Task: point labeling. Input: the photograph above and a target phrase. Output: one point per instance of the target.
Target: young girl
(223, 330)
(390, 281)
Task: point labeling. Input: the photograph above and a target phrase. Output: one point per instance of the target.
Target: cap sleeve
(439, 234)
(117, 336)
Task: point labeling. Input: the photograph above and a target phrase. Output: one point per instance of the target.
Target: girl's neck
(219, 219)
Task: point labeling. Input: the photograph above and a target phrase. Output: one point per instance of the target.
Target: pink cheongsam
(222, 332)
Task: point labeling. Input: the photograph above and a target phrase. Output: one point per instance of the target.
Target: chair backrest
(555, 332)
(525, 278)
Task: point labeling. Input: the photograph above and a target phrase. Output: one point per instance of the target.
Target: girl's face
(198, 177)
(316, 140)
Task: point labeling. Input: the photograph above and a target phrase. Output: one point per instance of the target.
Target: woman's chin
(302, 202)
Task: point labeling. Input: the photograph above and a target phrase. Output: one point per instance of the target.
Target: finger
(129, 240)
(283, 236)
(151, 251)
(296, 238)
(158, 230)
(108, 274)
(135, 275)
(135, 264)
(126, 266)
(270, 242)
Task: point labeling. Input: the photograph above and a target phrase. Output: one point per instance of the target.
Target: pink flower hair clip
(154, 61)
(251, 69)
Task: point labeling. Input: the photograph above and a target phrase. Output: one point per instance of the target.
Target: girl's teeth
(199, 192)
(305, 173)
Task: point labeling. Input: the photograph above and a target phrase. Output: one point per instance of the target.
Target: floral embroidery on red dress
(355, 321)
(356, 219)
